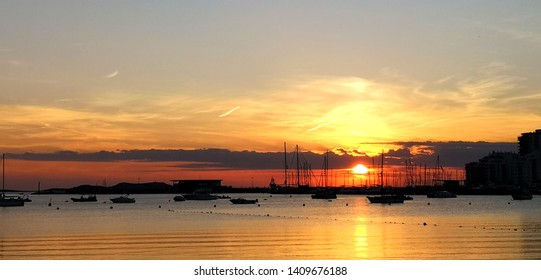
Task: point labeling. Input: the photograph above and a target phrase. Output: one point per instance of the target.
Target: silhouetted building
(501, 169)
(530, 156)
(498, 169)
(188, 186)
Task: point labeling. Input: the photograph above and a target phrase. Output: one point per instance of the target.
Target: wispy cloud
(483, 104)
(228, 112)
(112, 75)
(320, 126)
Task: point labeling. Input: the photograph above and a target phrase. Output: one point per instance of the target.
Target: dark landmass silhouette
(163, 188)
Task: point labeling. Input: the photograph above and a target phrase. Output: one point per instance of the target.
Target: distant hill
(121, 188)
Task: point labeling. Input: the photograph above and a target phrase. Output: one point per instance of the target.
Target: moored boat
(10, 201)
(387, 198)
(324, 194)
(85, 198)
(6, 201)
(123, 199)
(179, 198)
(522, 195)
(200, 194)
(241, 200)
(441, 194)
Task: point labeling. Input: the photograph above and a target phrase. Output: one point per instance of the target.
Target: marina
(281, 227)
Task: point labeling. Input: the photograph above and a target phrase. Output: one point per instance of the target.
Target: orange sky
(26, 175)
(251, 75)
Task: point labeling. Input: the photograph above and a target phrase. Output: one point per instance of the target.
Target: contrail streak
(228, 112)
(112, 75)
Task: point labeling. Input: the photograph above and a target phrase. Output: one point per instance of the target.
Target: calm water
(282, 227)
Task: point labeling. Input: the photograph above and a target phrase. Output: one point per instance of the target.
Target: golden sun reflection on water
(361, 240)
(284, 227)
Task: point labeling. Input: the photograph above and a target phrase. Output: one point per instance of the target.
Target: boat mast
(3, 172)
(298, 167)
(326, 169)
(285, 165)
(381, 174)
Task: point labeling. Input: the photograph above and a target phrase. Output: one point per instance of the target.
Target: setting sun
(359, 169)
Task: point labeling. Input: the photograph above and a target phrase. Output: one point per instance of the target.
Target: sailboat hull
(9, 202)
(386, 199)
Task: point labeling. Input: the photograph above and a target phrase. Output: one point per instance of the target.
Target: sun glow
(359, 169)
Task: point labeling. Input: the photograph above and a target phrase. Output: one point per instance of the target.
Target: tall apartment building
(506, 169)
(498, 169)
(530, 157)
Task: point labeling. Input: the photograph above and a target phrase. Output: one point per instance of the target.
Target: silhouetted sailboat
(325, 193)
(386, 198)
(522, 195)
(4, 200)
(302, 176)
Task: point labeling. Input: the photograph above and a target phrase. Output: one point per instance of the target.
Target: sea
(278, 227)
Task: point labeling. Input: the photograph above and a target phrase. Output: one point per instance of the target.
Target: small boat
(25, 198)
(85, 198)
(387, 198)
(200, 194)
(407, 197)
(123, 199)
(324, 194)
(241, 200)
(522, 195)
(441, 194)
(6, 201)
(179, 198)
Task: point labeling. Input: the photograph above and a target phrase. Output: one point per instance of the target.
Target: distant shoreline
(163, 188)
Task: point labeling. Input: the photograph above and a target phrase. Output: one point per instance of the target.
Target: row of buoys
(237, 214)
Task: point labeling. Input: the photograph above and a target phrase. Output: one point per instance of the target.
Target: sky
(355, 77)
